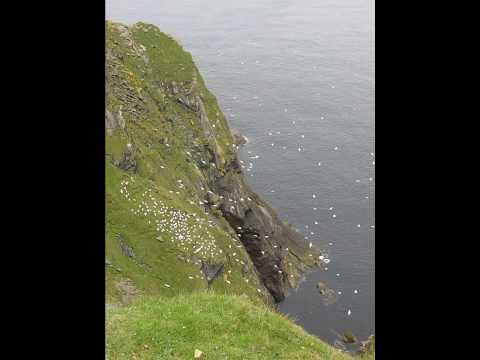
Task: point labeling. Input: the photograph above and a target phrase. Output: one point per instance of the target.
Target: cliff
(180, 216)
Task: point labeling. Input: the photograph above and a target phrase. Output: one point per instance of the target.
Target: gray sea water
(297, 78)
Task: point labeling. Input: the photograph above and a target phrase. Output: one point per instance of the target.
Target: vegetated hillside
(219, 326)
(179, 215)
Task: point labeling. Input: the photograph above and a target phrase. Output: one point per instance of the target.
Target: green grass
(221, 326)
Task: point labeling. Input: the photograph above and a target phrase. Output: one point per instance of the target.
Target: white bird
(355, 291)
(349, 312)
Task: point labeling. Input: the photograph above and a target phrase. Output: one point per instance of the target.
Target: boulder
(322, 288)
(349, 338)
(328, 295)
(128, 162)
(211, 271)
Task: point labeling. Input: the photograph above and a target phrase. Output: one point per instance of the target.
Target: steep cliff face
(180, 216)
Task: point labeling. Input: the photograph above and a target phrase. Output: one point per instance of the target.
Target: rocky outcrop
(267, 240)
(328, 295)
(211, 271)
(113, 121)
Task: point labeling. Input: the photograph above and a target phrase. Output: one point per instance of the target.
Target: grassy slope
(221, 326)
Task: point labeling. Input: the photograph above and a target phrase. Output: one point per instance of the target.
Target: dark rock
(328, 295)
(211, 271)
(128, 162)
(256, 219)
(322, 288)
(349, 338)
(238, 138)
(189, 103)
(127, 250)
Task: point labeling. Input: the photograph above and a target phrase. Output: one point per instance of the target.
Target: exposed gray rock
(113, 121)
(328, 295)
(211, 271)
(127, 250)
(245, 269)
(322, 288)
(238, 138)
(128, 162)
(262, 233)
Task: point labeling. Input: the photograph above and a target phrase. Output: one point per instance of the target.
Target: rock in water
(349, 338)
(238, 138)
(328, 295)
(321, 287)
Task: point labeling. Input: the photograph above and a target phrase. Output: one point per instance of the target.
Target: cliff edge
(180, 216)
